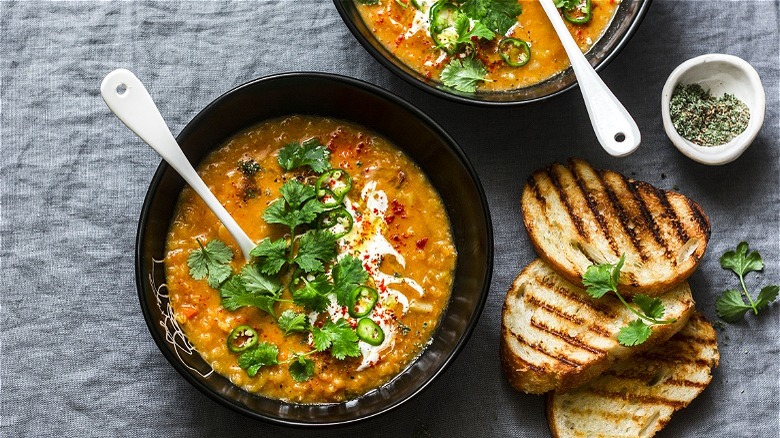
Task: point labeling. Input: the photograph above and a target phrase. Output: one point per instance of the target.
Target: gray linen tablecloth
(77, 358)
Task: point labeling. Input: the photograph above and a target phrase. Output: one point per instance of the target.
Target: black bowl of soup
(373, 262)
(499, 56)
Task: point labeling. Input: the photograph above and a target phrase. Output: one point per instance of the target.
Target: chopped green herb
(297, 206)
(313, 295)
(302, 368)
(315, 248)
(731, 306)
(248, 167)
(704, 119)
(464, 74)
(603, 278)
(309, 153)
(271, 255)
(211, 262)
(290, 321)
(347, 273)
(235, 295)
(339, 337)
(264, 354)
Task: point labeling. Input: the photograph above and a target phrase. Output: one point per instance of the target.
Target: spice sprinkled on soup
(351, 273)
(483, 45)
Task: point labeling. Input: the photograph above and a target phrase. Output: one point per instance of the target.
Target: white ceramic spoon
(127, 97)
(615, 128)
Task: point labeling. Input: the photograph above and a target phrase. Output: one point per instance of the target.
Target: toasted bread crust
(637, 397)
(577, 216)
(555, 336)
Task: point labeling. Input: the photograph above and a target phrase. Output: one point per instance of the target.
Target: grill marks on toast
(655, 383)
(577, 216)
(555, 336)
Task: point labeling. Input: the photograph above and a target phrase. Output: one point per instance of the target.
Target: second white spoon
(128, 99)
(615, 129)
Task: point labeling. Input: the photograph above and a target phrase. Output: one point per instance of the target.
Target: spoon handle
(615, 129)
(128, 99)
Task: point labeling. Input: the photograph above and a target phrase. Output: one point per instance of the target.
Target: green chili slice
(242, 338)
(514, 52)
(369, 332)
(339, 222)
(362, 301)
(443, 16)
(579, 14)
(332, 186)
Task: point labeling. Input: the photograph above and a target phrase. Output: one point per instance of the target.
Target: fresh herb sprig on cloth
(731, 306)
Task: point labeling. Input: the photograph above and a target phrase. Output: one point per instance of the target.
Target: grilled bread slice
(555, 336)
(636, 397)
(577, 216)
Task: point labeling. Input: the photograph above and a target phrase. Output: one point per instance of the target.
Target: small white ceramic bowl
(720, 74)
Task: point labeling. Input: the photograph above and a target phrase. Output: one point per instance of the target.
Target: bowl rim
(727, 152)
(470, 326)
(465, 99)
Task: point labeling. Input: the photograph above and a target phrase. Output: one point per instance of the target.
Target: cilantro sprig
(731, 306)
(464, 74)
(211, 262)
(600, 279)
(310, 153)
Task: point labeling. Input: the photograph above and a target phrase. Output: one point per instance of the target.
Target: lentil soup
(408, 30)
(397, 228)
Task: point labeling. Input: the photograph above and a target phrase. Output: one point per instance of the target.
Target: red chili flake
(389, 218)
(422, 242)
(398, 208)
(396, 237)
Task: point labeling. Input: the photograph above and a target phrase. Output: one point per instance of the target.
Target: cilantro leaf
(766, 296)
(602, 279)
(290, 321)
(263, 354)
(480, 31)
(296, 193)
(309, 153)
(635, 333)
(211, 262)
(235, 295)
(339, 337)
(740, 261)
(257, 283)
(301, 369)
(653, 307)
(501, 15)
(475, 9)
(730, 306)
(347, 273)
(314, 294)
(295, 207)
(463, 75)
(271, 255)
(315, 248)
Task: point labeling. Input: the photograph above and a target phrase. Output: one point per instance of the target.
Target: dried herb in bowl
(704, 119)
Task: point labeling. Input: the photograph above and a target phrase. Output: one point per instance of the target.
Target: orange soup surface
(399, 240)
(407, 33)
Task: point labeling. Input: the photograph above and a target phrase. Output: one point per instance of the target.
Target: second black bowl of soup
(508, 53)
(351, 330)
